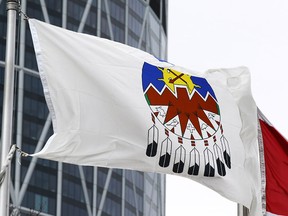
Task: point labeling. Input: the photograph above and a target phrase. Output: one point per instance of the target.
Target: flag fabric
(119, 107)
(276, 168)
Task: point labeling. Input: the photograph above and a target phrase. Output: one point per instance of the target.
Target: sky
(211, 34)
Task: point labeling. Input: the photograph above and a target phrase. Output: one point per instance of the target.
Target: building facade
(42, 187)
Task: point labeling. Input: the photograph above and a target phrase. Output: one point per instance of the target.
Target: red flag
(276, 167)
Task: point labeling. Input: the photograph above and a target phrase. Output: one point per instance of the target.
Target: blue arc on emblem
(185, 107)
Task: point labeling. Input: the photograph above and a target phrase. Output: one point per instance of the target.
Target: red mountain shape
(183, 107)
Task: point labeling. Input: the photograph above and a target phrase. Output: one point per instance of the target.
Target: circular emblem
(185, 105)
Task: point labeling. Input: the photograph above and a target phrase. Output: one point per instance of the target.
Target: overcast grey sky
(221, 34)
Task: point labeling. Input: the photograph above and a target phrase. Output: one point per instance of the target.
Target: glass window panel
(41, 203)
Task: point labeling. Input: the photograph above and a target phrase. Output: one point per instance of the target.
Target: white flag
(116, 106)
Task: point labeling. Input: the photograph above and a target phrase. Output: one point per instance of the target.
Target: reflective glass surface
(80, 189)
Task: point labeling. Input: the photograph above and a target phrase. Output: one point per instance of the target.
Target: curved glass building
(42, 187)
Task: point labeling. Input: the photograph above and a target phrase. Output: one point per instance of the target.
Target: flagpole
(242, 210)
(7, 113)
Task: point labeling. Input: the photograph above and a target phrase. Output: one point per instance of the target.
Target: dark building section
(43, 187)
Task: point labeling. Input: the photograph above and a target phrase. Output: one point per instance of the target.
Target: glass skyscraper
(42, 187)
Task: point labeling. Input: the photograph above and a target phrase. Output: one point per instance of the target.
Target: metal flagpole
(12, 10)
(242, 210)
